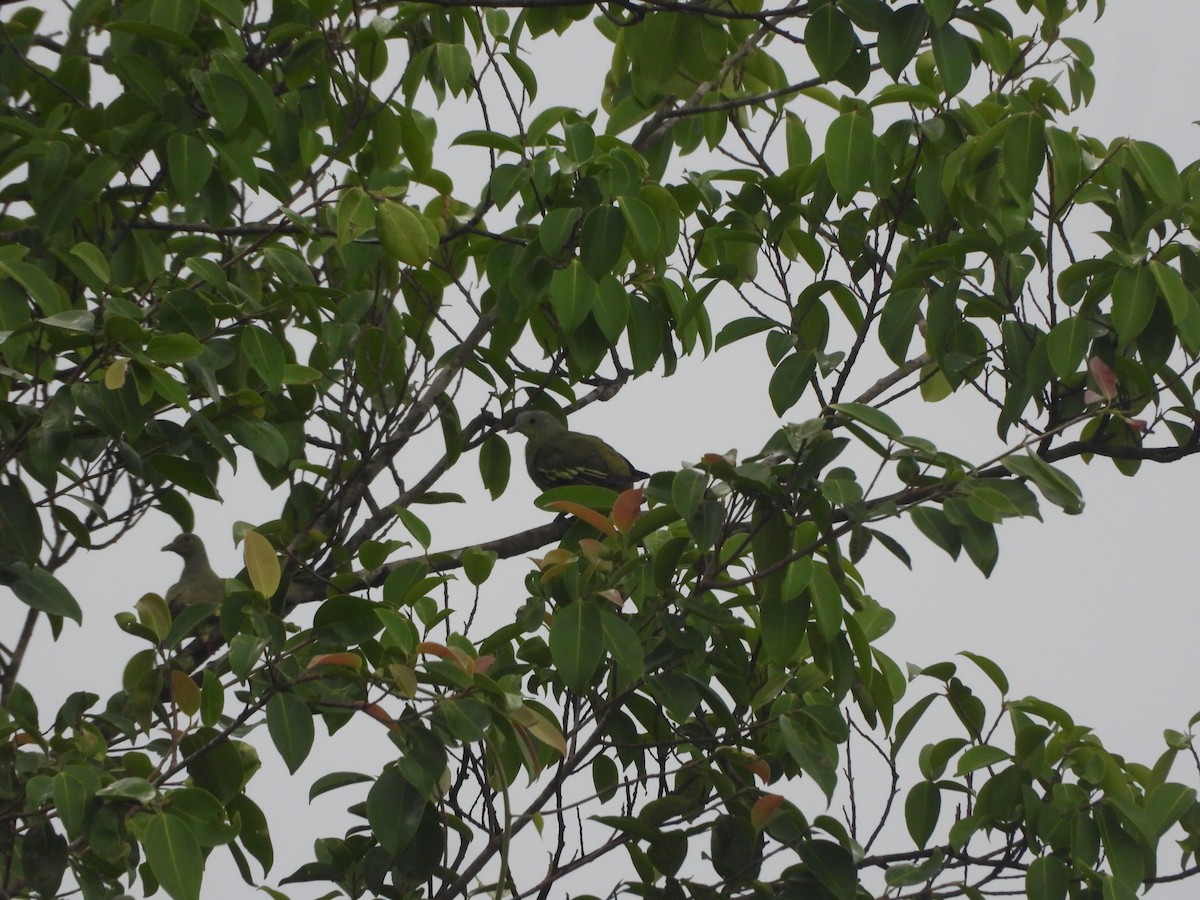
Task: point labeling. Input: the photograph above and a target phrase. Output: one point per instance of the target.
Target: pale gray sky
(1097, 613)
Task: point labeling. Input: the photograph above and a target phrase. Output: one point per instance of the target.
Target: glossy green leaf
(1134, 295)
(849, 153)
(291, 726)
(901, 37)
(623, 643)
(1067, 344)
(642, 232)
(1047, 878)
(601, 240)
(38, 589)
(20, 527)
(394, 809)
(922, 807)
(1024, 152)
(953, 56)
(790, 379)
(188, 164)
(577, 643)
(174, 856)
(1158, 169)
(829, 39)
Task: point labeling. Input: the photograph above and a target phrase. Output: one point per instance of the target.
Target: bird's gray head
(186, 545)
(532, 422)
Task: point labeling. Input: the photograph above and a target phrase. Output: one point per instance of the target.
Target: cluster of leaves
(233, 233)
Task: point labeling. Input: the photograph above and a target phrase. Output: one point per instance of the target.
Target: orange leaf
(627, 508)
(762, 769)
(435, 649)
(483, 663)
(581, 512)
(764, 809)
(379, 714)
(349, 660)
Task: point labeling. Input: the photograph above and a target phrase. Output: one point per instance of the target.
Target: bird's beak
(170, 546)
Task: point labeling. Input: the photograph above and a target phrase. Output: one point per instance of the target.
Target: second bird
(557, 457)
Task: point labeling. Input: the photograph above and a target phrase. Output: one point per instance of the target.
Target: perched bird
(556, 457)
(198, 583)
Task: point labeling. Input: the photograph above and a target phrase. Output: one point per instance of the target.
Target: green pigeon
(557, 457)
(198, 583)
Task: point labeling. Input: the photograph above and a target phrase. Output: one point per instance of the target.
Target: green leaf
(827, 603)
(333, 780)
(1047, 878)
(790, 379)
(1166, 804)
(934, 524)
(38, 589)
(900, 38)
(688, 488)
(989, 668)
(1170, 283)
(557, 227)
(580, 141)
(979, 757)
(573, 295)
(49, 296)
(871, 417)
(489, 139)
(169, 349)
(642, 232)
(849, 153)
(455, 60)
(922, 807)
(495, 464)
(1024, 152)
(1055, 486)
(174, 856)
(291, 727)
(1134, 296)
(601, 240)
(477, 564)
(73, 787)
(829, 39)
(394, 810)
(577, 643)
(623, 643)
(20, 526)
(1067, 344)
(1159, 170)
(953, 56)
(264, 353)
(741, 328)
(188, 162)
(402, 233)
(833, 867)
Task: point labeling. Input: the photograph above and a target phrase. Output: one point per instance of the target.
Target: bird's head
(187, 545)
(536, 423)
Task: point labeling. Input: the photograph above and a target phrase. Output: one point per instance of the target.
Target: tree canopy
(332, 248)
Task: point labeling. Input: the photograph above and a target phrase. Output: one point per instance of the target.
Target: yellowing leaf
(261, 563)
(114, 375)
(185, 692)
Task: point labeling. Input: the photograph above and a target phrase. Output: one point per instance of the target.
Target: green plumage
(556, 457)
(198, 583)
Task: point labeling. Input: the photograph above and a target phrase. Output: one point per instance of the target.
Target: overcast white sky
(1096, 613)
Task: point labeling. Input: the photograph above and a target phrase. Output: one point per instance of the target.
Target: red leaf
(1106, 381)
